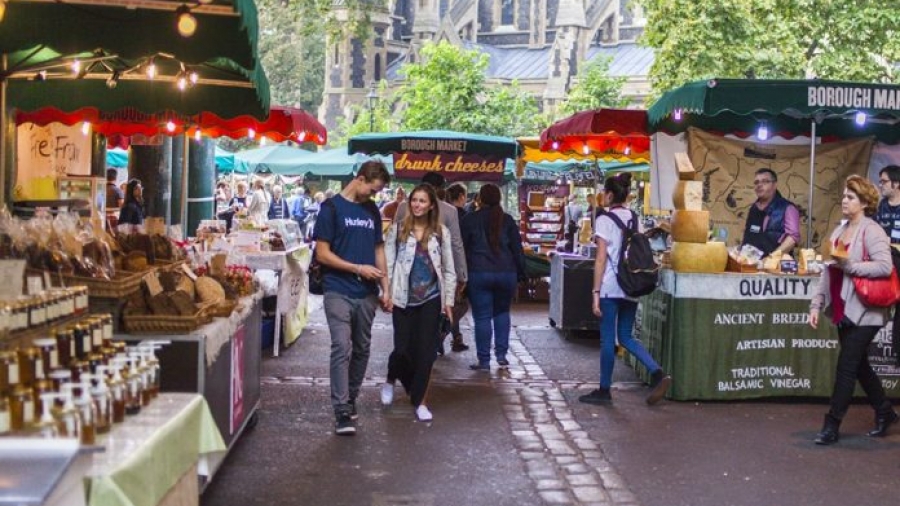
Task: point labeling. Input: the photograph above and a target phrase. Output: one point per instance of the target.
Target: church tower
(351, 66)
(567, 51)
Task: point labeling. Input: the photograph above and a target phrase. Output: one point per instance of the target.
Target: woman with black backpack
(615, 309)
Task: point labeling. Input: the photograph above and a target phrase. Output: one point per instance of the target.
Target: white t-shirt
(605, 228)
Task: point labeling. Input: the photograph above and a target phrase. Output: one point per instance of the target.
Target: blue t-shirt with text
(352, 231)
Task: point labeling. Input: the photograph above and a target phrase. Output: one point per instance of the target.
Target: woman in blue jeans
(615, 310)
(495, 264)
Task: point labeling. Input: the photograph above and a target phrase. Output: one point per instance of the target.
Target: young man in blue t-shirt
(350, 247)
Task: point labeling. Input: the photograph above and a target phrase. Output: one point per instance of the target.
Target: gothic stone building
(540, 43)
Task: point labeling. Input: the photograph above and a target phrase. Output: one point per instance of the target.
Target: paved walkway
(521, 438)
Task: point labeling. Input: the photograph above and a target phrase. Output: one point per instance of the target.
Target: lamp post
(371, 102)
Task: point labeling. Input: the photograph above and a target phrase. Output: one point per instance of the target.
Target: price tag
(35, 285)
(12, 272)
(190, 273)
(153, 284)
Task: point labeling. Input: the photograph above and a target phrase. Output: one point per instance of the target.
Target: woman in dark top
(132, 212)
(496, 263)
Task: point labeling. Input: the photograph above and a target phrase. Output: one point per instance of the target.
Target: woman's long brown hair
(489, 196)
(432, 219)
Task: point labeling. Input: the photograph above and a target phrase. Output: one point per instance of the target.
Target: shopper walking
(456, 196)
(615, 310)
(423, 285)
(868, 256)
(132, 212)
(496, 262)
(349, 246)
(258, 205)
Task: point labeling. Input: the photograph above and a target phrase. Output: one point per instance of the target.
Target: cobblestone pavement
(521, 438)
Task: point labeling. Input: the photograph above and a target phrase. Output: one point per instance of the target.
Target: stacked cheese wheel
(691, 252)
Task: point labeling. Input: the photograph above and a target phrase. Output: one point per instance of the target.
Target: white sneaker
(423, 414)
(387, 394)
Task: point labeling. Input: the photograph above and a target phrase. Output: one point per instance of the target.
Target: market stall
(745, 334)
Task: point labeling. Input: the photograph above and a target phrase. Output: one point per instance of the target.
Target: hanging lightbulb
(193, 78)
(76, 67)
(187, 23)
(170, 126)
(251, 133)
(555, 145)
(586, 150)
(628, 149)
(860, 118)
(197, 135)
(677, 115)
(86, 127)
(262, 141)
(151, 70)
(113, 80)
(763, 132)
(301, 137)
(182, 82)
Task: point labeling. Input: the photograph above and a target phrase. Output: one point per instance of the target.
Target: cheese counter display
(730, 336)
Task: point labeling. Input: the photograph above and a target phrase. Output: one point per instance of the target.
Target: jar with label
(4, 416)
(67, 415)
(21, 407)
(81, 299)
(37, 312)
(41, 387)
(106, 320)
(19, 318)
(65, 346)
(94, 360)
(134, 389)
(49, 356)
(96, 328)
(30, 365)
(59, 377)
(117, 389)
(87, 414)
(9, 371)
(102, 398)
(6, 315)
(83, 339)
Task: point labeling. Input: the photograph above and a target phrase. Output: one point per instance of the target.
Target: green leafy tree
(379, 119)
(293, 55)
(594, 89)
(789, 39)
(447, 90)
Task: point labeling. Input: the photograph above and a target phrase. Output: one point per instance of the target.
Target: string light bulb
(262, 141)
(182, 82)
(151, 70)
(586, 149)
(677, 115)
(86, 127)
(170, 126)
(76, 67)
(113, 80)
(301, 137)
(555, 145)
(763, 132)
(193, 78)
(628, 149)
(197, 135)
(860, 118)
(187, 23)
(251, 133)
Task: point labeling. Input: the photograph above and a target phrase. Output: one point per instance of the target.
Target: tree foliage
(448, 90)
(788, 39)
(363, 120)
(594, 89)
(293, 55)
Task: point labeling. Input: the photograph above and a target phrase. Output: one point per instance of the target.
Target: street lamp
(371, 102)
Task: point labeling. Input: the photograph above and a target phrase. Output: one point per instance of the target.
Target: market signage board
(453, 166)
(755, 347)
(44, 153)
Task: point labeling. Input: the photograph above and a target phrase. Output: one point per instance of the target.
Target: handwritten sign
(453, 166)
(11, 271)
(44, 153)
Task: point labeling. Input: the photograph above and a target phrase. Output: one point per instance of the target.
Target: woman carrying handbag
(861, 253)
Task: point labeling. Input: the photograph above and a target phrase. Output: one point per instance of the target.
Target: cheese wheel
(690, 226)
(686, 170)
(688, 195)
(710, 257)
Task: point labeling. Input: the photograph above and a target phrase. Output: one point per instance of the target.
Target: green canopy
(118, 158)
(434, 141)
(550, 171)
(785, 107)
(224, 160)
(225, 29)
(111, 83)
(338, 163)
(284, 160)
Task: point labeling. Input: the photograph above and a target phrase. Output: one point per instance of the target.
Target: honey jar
(49, 355)
(21, 408)
(9, 371)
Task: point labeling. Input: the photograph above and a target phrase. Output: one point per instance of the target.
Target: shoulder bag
(877, 292)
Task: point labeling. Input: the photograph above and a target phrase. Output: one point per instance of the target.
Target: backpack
(316, 271)
(638, 272)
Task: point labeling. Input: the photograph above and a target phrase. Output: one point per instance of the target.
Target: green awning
(227, 29)
(118, 158)
(785, 107)
(338, 163)
(433, 141)
(224, 87)
(284, 160)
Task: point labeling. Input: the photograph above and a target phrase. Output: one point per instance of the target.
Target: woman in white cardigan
(423, 285)
(868, 255)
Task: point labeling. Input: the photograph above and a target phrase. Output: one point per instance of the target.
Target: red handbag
(877, 292)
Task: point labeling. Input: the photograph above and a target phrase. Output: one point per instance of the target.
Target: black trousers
(852, 366)
(415, 347)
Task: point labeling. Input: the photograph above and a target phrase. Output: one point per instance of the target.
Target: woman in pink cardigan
(857, 323)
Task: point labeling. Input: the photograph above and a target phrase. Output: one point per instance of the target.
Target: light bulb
(628, 149)
(763, 132)
(187, 23)
(197, 135)
(182, 82)
(251, 133)
(677, 115)
(170, 126)
(262, 141)
(860, 118)
(193, 78)
(555, 145)
(86, 127)
(301, 137)
(76, 67)
(586, 150)
(151, 70)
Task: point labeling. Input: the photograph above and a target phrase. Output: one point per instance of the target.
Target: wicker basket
(221, 309)
(123, 284)
(163, 324)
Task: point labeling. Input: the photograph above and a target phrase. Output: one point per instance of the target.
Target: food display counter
(741, 336)
(220, 360)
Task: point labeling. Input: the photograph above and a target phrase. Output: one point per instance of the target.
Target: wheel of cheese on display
(710, 257)
(688, 195)
(690, 226)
